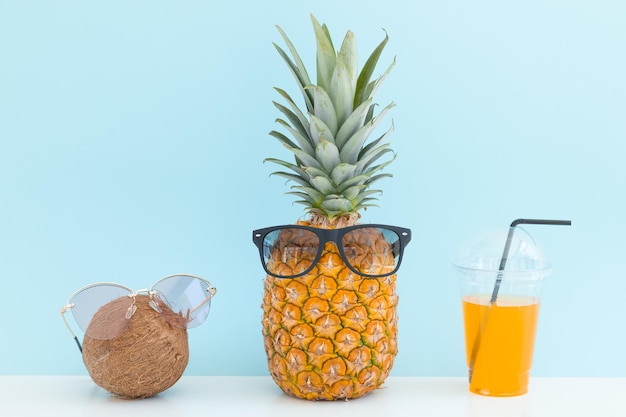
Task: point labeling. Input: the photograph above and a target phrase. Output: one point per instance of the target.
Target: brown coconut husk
(146, 358)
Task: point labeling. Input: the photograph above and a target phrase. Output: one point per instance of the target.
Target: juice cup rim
(539, 272)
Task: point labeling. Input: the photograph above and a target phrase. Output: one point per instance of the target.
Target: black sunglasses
(369, 250)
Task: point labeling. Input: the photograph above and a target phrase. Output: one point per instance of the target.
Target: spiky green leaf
(375, 143)
(311, 194)
(373, 87)
(352, 148)
(343, 80)
(322, 184)
(304, 158)
(324, 109)
(283, 139)
(289, 165)
(319, 131)
(352, 124)
(342, 172)
(342, 93)
(351, 193)
(302, 75)
(366, 73)
(377, 178)
(356, 180)
(296, 57)
(290, 177)
(304, 142)
(304, 121)
(337, 206)
(366, 206)
(311, 172)
(327, 154)
(293, 119)
(326, 55)
(365, 196)
(363, 166)
(300, 78)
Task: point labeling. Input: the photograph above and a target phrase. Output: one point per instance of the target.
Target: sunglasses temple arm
(63, 311)
(212, 292)
(80, 348)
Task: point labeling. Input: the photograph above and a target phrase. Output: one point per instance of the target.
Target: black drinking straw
(507, 246)
(496, 287)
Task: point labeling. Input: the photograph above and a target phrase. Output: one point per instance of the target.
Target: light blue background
(133, 134)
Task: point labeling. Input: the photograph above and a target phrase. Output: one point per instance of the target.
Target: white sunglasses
(104, 309)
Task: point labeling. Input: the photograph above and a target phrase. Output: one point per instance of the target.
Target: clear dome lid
(511, 251)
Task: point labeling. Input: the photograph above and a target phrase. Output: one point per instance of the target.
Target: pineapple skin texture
(330, 334)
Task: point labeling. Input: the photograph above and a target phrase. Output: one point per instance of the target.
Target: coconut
(146, 358)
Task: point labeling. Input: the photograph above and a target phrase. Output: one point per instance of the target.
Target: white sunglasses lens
(100, 311)
(188, 299)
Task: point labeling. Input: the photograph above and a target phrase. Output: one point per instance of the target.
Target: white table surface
(70, 396)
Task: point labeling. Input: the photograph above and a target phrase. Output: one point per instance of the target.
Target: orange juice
(501, 358)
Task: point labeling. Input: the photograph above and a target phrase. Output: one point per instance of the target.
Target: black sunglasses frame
(335, 236)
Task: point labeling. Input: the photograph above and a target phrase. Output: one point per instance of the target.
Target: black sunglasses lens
(372, 251)
(289, 252)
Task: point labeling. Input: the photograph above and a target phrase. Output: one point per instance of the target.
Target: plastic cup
(501, 309)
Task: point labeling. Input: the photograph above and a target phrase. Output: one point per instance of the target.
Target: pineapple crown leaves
(334, 165)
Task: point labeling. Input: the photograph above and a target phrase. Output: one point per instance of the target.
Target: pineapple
(331, 333)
